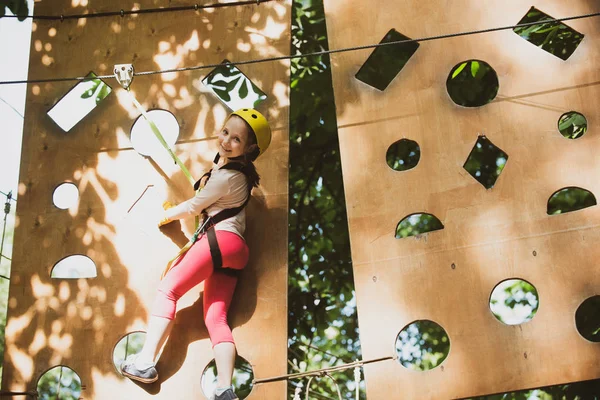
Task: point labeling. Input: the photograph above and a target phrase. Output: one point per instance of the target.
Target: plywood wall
(77, 322)
(490, 235)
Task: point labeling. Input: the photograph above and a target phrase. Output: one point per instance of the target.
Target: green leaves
(20, 8)
(556, 38)
(403, 155)
(59, 383)
(474, 68)
(233, 88)
(570, 199)
(422, 345)
(473, 87)
(322, 321)
(485, 162)
(417, 224)
(459, 70)
(99, 90)
(572, 125)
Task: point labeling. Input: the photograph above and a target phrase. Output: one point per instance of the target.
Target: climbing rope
(122, 13)
(325, 372)
(33, 394)
(124, 74)
(312, 54)
(6, 212)
(160, 137)
(357, 379)
(328, 375)
(320, 372)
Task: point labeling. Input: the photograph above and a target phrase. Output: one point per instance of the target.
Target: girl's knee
(165, 304)
(219, 333)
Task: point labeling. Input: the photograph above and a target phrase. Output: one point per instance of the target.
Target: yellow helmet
(259, 125)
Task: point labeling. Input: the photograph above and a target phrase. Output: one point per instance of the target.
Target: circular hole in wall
(587, 319)
(403, 155)
(129, 344)
(65, 195)
(514, 301)
(59, 382)
(144, 140)
(422, 345)
(572, 125)
(243, 375)
(472, 83)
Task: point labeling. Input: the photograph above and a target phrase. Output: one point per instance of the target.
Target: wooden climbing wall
(489, 235)
(77, 322)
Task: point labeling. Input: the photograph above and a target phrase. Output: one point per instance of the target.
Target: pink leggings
(196, 266)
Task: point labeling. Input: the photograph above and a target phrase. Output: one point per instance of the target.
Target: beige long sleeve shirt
(226, 188)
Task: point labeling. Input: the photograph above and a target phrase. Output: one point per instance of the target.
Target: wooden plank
(489, 234)
(78, 322)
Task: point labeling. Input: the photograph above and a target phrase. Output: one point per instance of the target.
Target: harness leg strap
(215, 253)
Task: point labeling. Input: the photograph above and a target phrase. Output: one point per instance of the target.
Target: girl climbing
(217, 255)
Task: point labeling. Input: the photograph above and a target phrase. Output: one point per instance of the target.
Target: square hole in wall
(486, 162)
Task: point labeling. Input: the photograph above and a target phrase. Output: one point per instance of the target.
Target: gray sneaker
(147, 375)
(226, 395)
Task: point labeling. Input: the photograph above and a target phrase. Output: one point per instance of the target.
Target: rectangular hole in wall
(79, 102)
(556, 38)
(233, 88)
(386, 62)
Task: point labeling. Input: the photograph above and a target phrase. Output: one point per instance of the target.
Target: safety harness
(209, 222)
(124, 75)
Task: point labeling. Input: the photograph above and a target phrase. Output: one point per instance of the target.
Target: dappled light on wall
(417, 224)
(385, 62)
(144, 140)
(233, 87)
(556, 38)
(422, 345)
(472, 83)
(59, 383)
(587, 319)
(514, 301)
(485, 162)
(570, 199)
(65, 195)
(243, 375)
(74, 267)
(172, 55)
(79, 102)
(403, 155)
(128, 345)
(572, 125)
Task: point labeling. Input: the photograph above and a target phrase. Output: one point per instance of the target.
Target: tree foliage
(59, 383)
(572, 125)
(570, 199)
(556, 38)
(323, 326)
(473, 83)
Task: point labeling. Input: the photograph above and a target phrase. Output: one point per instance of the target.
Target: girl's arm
(216, 187)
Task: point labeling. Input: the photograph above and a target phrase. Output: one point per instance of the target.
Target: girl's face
(233, 138)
